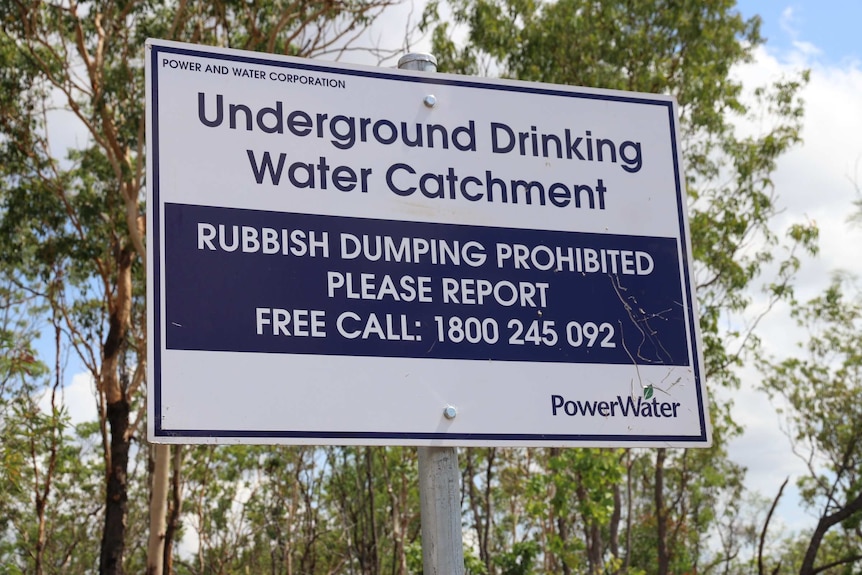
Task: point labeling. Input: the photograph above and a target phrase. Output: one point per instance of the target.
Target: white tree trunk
(158, 510)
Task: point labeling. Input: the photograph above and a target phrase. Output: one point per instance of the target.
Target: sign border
(154, 279)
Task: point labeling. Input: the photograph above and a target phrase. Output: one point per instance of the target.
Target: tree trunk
(372, 546)
(40, 535)
(113, 384)
(629, 510)
(661, 514)
(173, 524)
(116, 495)
(614, 527)
(594, 550)
(563, 530)
(158, 510)
(827, 522)
(480, 506)
(592, 532)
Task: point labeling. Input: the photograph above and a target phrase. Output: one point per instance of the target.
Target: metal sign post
(439, 474)
(440, 503)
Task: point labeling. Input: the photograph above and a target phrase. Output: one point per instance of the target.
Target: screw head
(430, 101)
(450, 412)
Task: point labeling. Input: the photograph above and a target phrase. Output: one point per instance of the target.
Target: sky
(831, 28)
(814, 182)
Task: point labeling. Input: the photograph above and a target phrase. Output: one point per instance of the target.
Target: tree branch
(766, 526)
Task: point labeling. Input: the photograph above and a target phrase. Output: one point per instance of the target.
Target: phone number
(537, 332)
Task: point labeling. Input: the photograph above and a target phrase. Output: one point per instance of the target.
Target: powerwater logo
(646, 406)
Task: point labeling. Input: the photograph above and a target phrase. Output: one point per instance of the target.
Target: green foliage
(821, 388)
(473, 565)
(662, 46)
(72, 221)
(48, 490)
(518, 561)
(315, 510)
(68, 223)
(819, 392)
(19, 363)
(687, 50)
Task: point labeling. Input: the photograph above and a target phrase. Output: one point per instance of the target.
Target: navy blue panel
(212, 295)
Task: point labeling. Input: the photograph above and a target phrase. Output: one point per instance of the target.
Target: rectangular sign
(351, 255)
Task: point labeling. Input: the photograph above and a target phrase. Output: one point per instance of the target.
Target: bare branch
(760, 570)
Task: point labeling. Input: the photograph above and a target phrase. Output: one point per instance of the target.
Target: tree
(819, 393)
(46, 479)
(686, 49)
(78, 223)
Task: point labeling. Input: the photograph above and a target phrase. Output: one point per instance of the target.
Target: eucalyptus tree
(47, 482)
(686, 49)
(819, 393)
(76, 220)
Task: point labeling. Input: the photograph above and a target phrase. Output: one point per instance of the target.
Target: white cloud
(78, 396)
(788, 21)
(806, 48)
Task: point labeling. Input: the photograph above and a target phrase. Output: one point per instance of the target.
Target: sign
(351, 255)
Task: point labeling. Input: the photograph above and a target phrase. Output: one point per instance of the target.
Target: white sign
(352, 255)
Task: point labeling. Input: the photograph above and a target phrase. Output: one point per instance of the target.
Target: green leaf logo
(648, 391)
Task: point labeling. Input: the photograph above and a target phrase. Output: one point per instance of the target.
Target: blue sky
(830, 25)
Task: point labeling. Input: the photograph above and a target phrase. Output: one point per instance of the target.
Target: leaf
(648, 392)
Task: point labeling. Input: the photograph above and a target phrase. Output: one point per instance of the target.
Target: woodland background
(96, 497)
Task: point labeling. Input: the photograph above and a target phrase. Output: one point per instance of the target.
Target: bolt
(450, 412)
(430, 101)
